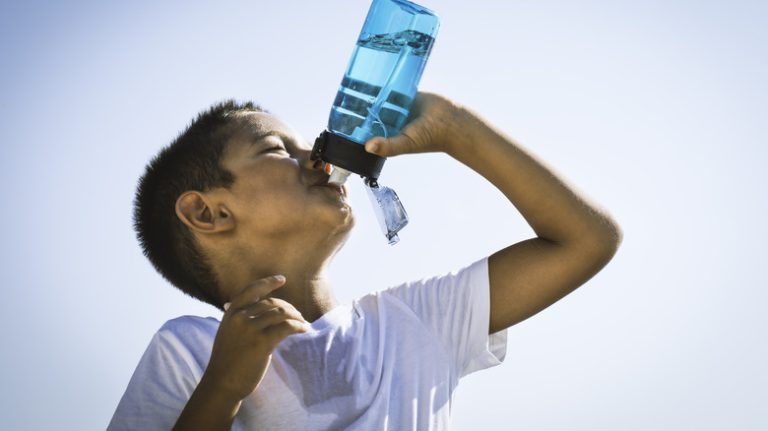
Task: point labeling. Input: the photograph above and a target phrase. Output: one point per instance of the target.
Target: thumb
(387, 147)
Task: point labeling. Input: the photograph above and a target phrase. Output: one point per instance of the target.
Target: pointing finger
(256, 291)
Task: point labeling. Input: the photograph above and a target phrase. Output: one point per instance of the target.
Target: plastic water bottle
(374, 99)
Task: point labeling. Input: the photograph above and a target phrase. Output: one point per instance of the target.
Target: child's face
(277, 191)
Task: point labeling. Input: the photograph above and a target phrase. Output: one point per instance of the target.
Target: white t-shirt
(390, 361)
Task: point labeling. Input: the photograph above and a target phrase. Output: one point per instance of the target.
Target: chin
(349, 221)
(344, 234)
(338, 221)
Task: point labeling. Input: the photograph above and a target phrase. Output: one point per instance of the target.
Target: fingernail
(226, 305)
(327, 168)
(279, 277)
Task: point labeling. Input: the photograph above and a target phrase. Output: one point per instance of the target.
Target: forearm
(575, 238)
(207, 409)
(555, 211)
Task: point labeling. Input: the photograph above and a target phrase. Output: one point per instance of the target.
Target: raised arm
(575, 238)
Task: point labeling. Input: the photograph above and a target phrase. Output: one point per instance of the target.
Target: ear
(201, 214)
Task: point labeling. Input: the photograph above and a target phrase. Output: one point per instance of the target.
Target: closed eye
(273, 149)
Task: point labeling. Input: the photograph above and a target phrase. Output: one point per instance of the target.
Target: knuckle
(272, 301)
(272, 312)
(267, 313)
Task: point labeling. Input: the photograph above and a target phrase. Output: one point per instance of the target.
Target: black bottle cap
(347, 154)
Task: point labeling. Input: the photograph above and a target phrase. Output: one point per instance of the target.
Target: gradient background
(655, 110)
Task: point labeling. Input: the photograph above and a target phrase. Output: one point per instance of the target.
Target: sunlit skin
(274, 219)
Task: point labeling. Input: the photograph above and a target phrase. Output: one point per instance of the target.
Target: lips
(338, 188)
(324, 183)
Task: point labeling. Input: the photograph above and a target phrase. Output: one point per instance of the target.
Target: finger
(275, 316)
(281, 330)
(403, 143)
(256, 310)
(256, 291)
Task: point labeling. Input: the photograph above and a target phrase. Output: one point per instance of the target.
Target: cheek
(282, 203)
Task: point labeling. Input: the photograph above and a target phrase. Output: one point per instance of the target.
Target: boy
(235, 213)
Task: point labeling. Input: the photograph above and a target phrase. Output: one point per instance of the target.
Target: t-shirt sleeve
(163, 381)
(456, 308)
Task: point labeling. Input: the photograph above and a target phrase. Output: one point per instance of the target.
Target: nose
(314, 165)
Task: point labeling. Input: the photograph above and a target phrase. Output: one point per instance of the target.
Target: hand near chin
(431, 126)
(250, 330)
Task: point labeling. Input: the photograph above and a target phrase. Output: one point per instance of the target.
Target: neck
(309, 292)
(306, 288)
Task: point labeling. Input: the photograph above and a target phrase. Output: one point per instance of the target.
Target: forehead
(253, 126)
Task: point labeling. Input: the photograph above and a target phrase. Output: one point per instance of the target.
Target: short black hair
(192, 161)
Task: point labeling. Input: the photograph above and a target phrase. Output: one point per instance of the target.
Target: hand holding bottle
(432, 126)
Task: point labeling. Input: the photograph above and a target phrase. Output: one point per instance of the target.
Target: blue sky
(654, 110)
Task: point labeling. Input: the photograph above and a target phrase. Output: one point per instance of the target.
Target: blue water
(379, 85)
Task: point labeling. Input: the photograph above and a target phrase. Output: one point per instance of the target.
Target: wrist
(216, 391)
(208, 409)
(459, 127)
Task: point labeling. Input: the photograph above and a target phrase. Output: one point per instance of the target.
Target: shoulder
(187, 332)
(189, 324)
(166, 375)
